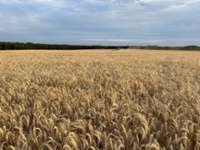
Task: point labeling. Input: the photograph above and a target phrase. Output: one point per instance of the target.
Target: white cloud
(183, 5)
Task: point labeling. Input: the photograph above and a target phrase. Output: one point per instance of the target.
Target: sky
(101, 22)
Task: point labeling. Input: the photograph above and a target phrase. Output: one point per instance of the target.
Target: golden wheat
(90, 100)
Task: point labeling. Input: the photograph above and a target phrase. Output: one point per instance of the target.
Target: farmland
(100, 99)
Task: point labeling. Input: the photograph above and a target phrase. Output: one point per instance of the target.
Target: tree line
(155, 47)
(35, 46)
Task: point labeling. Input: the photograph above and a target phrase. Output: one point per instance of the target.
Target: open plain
(100, 99)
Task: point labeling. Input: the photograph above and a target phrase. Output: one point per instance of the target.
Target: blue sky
(101, 22)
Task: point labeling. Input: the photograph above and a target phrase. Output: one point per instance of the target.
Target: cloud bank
(105, 22)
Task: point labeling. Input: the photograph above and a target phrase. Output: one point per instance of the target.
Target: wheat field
(99, 100)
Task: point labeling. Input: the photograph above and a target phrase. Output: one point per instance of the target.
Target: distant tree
(3, 46)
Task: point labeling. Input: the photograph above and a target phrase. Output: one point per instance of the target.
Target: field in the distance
(96, 100)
